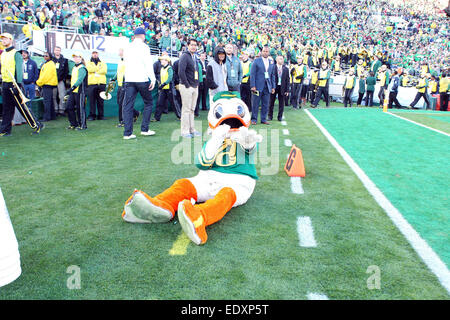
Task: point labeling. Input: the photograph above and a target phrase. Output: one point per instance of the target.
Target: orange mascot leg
(195, 218)
(142, 208)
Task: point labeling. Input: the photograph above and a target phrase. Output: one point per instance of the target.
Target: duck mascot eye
(226, 178)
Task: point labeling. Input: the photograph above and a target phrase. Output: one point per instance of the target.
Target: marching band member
(298, 73)
(12, 65)
(349, 85)
(383, 77)
(76, 103)
(324, 76)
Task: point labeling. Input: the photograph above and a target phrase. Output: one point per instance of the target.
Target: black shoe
(5, 134)
(166, 112)
(100, 118)
(91, 118)
(71, 128)
(204, 109)
(120, 125)
(80, 128)
(269, 118)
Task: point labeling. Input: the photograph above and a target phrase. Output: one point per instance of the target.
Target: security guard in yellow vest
(349, 85)
(48, 80)
(246, 94)
(12, 68)
(336, 65)
(322, 89)
(120, 75)
(433, 85)
(96, 83)
(76, 105)
(298, 73)
(421, 92)
(443, 91)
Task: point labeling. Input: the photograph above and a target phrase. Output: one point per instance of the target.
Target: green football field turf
(403, 160)
(65, 193)
(435, 119)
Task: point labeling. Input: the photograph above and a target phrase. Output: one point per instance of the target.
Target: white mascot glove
(218, 136)
(246, 138)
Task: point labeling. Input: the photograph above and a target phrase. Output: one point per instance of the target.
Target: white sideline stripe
(419, 124)
(287, 142)
(296, 185)
(317, 296)
(422, 248)
(283, 123)
(305, 232)
(286, 132)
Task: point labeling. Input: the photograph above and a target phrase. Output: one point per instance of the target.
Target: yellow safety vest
(298, 71)
(359, 70)
(433, 86)
(323, 73)
(74, 77)
(96, 72)
(422, 83)
(7, 59)
(382, 78)
(246, 70)
(165, 75)
(305, 59)
(443, 85)
(314, 77)
(405, 81)
(337, 65)
(120, 73)
(349, 81)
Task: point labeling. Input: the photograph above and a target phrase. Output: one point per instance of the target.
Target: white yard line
(426, 253)
(317, 296)
(306, 232)
(287, 142)
(419, 124)
(296, 185)
(283, 123)
(286, 132)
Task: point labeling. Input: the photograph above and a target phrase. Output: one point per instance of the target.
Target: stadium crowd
(361, 35)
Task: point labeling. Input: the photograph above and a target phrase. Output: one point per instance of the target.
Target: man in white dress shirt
(139, 78)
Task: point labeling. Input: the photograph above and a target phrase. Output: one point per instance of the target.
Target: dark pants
(360, 98)
(49, 110)
(131, 91)
(348, 97)
(381, 95)
(165, 97)
(95, 102)
(322, 91)
(264, 99)
(9, 107)
(369, 98)
(393, 100)
(30, 92)
(120, 99)
(296, 89)
(444, 101)
(76, 110)
(417, 98)
(246, 95)
(202, 92)
(281, 97)
(312, 93)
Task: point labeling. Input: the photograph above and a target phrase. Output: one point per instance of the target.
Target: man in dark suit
(281, 76)
(262, 85)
